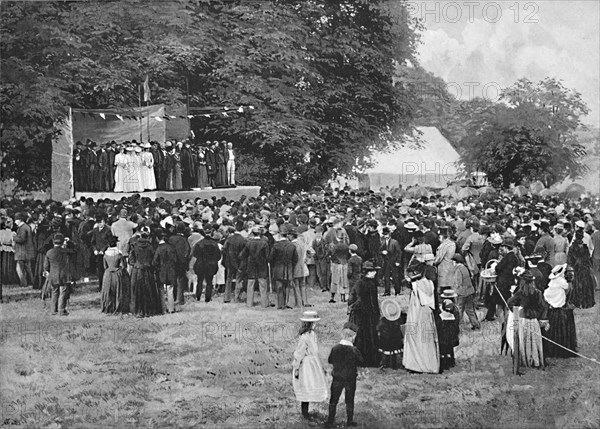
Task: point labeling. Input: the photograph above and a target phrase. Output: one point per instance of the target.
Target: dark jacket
(141, 254)
(372, 245)
(182, 251)
(394, 252)
(164, 261)
(99, 238)
(354, 270)
(234, 244)
(207, 254)
(24, 247)
(283, 258)
(345, 360)
(254, 258)
(57, 265)
(432, 239)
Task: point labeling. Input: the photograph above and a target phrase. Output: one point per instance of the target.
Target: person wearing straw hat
(560, 316)
(528, 300)
(448, 329)
(308, 376)
(389, 333)
(421, 346)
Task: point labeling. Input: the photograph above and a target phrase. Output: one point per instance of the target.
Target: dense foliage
(319, 74)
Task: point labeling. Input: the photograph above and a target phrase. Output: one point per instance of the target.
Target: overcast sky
(484, 44)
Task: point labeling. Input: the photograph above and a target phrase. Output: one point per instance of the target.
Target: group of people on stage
(139, 167)
(544, 253)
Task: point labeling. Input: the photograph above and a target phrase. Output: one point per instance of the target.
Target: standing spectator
(339, 266)
(595, 238)
(123, 229)
(309, 378)
(56, 268)
(465, 291)
(182, 251)
(322, 259)
(300, 268)
(391, 256)
(146, 299)
(561, 244)
(355, 264)
(115, 296)
(165, 261)
(345, 359)
(283, 258)
(389, 333)
(24, 250)
(578, 257)
(234, 244)
(364, 313)
(448, 329)
(205, 263)
(99, 236)
(187, 166)
(254, 262)
(443, 260)
(533, 313)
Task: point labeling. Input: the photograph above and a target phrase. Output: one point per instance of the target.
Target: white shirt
(231, 155)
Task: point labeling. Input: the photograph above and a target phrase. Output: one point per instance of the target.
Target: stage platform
(229, 193)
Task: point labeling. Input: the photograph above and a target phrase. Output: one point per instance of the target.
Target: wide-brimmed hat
(390, 309)
(351, 326)
(310, 316)
(448, 294)
(411, 226)
(558, 271)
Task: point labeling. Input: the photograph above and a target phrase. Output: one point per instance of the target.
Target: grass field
(224, 366)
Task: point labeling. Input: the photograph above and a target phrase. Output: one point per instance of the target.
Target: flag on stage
(147, 89)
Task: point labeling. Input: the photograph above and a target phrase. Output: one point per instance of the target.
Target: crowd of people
(540, 255)
(139, 167)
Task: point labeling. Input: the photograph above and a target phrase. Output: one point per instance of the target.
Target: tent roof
(434, 148)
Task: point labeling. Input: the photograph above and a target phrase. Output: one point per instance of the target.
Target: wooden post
(516, 349)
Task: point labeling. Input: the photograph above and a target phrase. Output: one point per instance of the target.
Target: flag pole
(148, 120)
(140, 106)
(187, 92)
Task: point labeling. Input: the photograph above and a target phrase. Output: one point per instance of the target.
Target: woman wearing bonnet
(560, 314)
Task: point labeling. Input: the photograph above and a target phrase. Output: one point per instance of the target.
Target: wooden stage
(207, 193)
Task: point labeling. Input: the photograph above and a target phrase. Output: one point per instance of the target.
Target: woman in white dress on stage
(148, 178)
(120, 170)
(131, 180)
(139, 170)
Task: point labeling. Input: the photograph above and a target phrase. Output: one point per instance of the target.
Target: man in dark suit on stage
(211, 164)
(159, 159)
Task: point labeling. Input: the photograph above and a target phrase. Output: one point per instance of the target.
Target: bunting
(225, 113)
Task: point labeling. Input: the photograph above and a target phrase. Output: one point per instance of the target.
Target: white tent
(431, 162)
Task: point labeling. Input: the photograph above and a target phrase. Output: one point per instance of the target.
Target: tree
(319, 74)
(531, 134)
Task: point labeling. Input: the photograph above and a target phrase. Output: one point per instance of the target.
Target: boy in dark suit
(345, 359)
(56, 268)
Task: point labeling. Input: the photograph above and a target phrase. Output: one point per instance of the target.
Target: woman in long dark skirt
(364, 313)
(583, 284)
(145, 297)
(115, 282)
(560, 315)
(43, 243)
